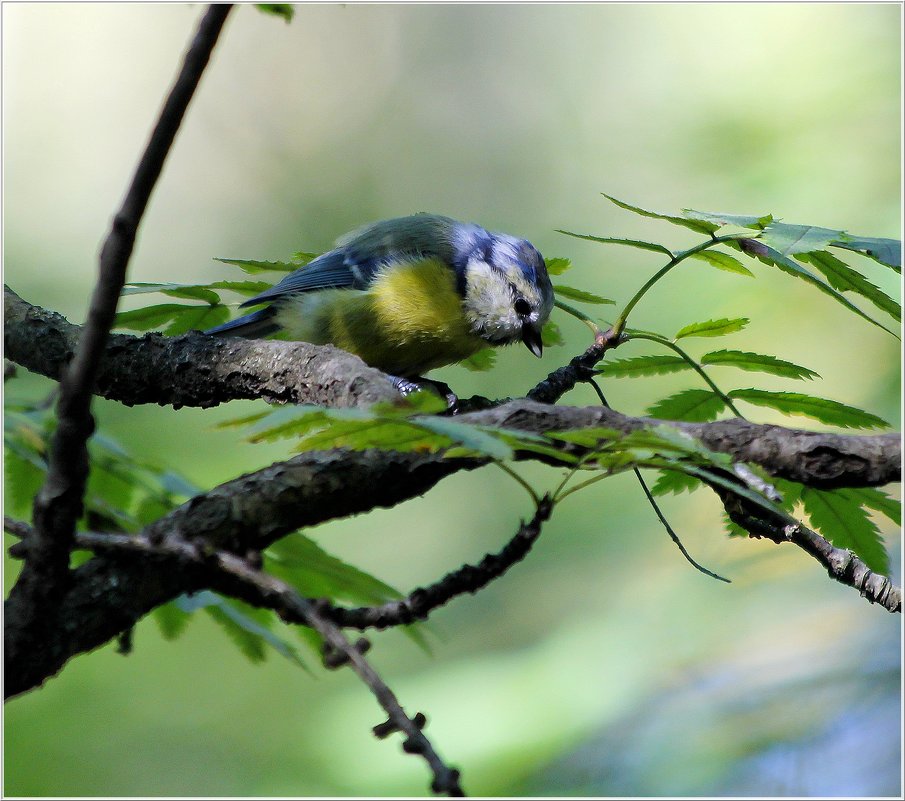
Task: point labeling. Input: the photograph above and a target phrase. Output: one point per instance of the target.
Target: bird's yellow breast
(407, 322)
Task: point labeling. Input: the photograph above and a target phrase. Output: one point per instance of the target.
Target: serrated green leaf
(551, 335)
(579, 294)
(733, 529)
(250, 642)
(693, 405)
(196, 318)
(757, 362)
(721, 219)
(711, 477)
(301, 562)
(609, 240)
(150, 316)
(171, 620)
(713, 328)
(196, 291)
(874, 499)
(253, 266)
(250, 629)
(247, 288)
(699, 226)
(238, 422)
(22, 479)
(723, 261)
(480, 439)
(791, 240)
(644, 365)
(771, 256)
(668, 438)
(587, 437)
(557, 265)
(388, 435)
(842, 277)
(795, 403)
(675, 482)
(482, 360)
(284, 10)
(846, 525)
(885, 251)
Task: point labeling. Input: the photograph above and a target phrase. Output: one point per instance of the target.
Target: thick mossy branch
(198, 370)
(112, 592)
(193, 369)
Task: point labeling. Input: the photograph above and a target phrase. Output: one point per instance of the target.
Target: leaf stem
(619, 326)
(578, 314)
(694, 365)
(506, 469)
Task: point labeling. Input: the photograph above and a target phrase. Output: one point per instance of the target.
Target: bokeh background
(602, 665)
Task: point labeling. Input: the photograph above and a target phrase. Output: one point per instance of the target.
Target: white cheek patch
(488, 303)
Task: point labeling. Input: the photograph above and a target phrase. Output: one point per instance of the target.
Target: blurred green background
(602, 665)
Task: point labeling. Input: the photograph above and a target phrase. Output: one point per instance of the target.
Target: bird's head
(507, 294)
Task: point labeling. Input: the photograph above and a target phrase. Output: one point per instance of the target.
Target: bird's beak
(532, 339)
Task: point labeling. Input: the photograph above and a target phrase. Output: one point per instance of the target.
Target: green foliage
(845, 279)
(644, 365)
(845, 523)
(795, 403)
(551, 336)
(757, 362)
(840, 515)
(301, 562)
(722, 261)
(284, 10)
(609, 240)
(480, 361)
(557, 265)
(580, 295)
(713, 328)
(692, 405)
(125, 493)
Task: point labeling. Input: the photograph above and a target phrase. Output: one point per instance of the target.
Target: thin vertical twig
(59, 503)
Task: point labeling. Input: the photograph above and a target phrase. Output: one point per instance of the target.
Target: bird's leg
(406, 386)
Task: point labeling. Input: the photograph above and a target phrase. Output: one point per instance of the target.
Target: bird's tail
(252, 326)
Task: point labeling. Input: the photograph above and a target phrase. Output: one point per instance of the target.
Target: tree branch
(197, 370)
(111, 593)
(470, 578)
(194, 370)
(841, 564)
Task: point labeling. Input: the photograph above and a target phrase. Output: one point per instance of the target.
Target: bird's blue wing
(358, 256)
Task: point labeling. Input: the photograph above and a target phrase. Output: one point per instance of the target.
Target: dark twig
(59, 502)
(656, 507)
(264, 590)
(233, 576)
(580, 369)
(841, 564)
(469, 578)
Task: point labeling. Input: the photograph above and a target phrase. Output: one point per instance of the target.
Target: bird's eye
(522, 307)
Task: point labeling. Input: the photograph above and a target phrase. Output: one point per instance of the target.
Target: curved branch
(841, 564)
(111, 593)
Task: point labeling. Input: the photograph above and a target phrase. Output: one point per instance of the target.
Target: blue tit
(410, 294)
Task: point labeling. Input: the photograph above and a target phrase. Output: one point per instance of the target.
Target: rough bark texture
(113, 591)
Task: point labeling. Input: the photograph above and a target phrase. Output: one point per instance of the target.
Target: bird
(408, 295)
